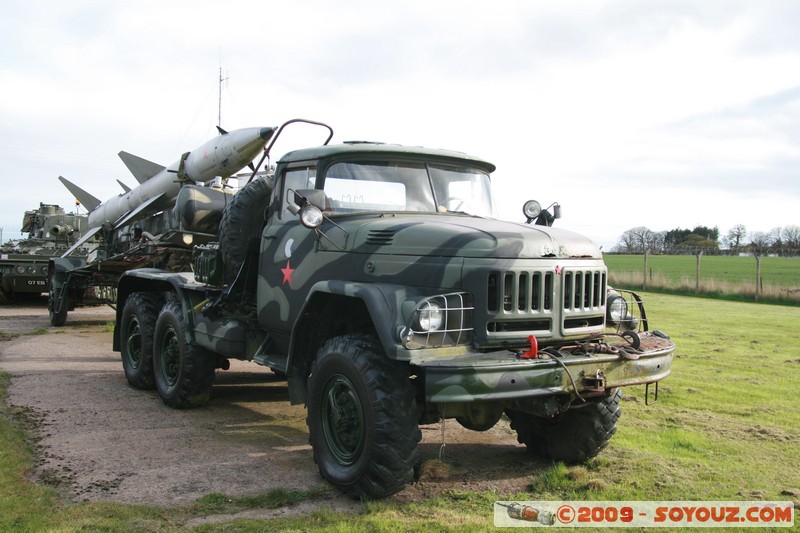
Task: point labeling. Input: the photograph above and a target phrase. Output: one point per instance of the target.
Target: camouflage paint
(519, 279)
(24, 263)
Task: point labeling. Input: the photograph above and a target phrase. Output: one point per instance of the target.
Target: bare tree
(658, 241)
(735, 237)
(760, 242)
(790, 235)
(636, 240)
(775, 240)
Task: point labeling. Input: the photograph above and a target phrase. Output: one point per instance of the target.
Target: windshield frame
(430, 187)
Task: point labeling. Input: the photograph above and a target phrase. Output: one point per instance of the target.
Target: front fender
(383, 302)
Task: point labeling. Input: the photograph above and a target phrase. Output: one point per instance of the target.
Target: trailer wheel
(573, 436)
(136, 338)
(184, 374)
(362, 418)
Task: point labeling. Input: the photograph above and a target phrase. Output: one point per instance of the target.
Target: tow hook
(597, 383)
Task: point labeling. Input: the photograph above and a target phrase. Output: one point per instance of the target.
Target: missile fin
(87, 200)
(221, 131)
(142, 169)
(124, 187)
(153, 205)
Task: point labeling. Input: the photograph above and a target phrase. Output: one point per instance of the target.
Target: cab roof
(371, 150)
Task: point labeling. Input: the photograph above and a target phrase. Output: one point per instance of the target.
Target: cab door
(287, 258)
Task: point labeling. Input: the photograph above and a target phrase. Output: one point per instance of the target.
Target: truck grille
(522, 301)
(584, 290)
(520, 291)
(584, 298)
(549, 303)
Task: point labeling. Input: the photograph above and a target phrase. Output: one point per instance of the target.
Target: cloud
(579, 102)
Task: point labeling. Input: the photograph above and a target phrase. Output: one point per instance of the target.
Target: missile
(159, 186)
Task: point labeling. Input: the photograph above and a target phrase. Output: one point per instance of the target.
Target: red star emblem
(558, 270)
(287, 273)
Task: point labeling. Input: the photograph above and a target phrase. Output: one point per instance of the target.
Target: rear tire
(362, 418)
(137, 326)
(573, 436)
(184, 374)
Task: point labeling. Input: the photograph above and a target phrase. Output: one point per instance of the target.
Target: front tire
(184, 374)
(136, 338)
(573, 436)
(362, 418)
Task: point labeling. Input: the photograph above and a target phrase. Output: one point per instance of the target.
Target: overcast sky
(662, 114)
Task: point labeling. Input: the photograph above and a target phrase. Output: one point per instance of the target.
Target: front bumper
(503, 376)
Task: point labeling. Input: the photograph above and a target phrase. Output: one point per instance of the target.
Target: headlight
(430, 317)
(20, 269)
(617, 309)
(311, 216)
(617, 312)
(437, 321)
(31, 269)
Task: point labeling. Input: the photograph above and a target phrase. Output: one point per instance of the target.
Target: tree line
(783, 241)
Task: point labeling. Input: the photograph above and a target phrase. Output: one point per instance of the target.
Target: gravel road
(102, 440)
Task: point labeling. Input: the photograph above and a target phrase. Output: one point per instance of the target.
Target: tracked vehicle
(376, 278)
(24, 263)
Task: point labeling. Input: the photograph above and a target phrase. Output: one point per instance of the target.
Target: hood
(462, 236)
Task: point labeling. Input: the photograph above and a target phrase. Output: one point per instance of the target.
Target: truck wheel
(136, 338)
(184, 374)
(573, 436)
(362, 418)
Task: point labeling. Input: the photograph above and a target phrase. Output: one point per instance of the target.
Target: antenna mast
(221, 79)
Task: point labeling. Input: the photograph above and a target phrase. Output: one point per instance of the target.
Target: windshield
(416, 187)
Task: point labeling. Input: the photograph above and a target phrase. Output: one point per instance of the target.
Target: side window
(296, 178)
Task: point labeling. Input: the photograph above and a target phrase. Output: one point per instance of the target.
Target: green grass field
(726, 427)
(719, 275)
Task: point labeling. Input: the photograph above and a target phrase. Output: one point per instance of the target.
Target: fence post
(758, 275)
(697, 274)
(644, 273)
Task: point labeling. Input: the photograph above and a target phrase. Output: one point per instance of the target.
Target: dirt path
(102, 440)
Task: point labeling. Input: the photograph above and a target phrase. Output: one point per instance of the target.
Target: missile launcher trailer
(155, 224)
(375, 278)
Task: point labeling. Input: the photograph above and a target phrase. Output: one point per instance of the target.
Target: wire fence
(769, 278)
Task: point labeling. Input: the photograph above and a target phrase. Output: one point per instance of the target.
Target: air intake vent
(380, 237)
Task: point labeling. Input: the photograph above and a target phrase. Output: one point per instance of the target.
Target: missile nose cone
(266, 133)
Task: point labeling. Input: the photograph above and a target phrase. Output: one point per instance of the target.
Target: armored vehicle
(24, 263)
(376, 278)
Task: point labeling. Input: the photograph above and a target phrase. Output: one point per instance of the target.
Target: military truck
(376, 278)
(24, 263)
